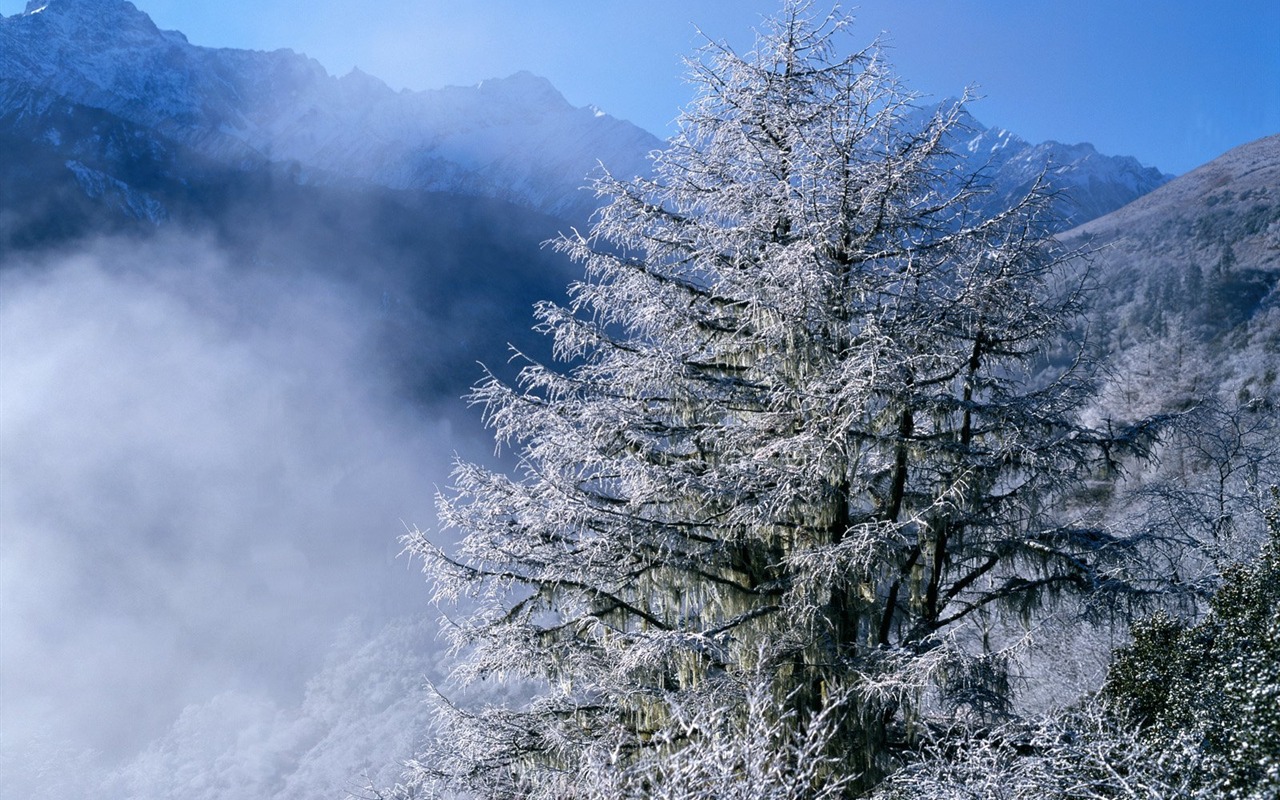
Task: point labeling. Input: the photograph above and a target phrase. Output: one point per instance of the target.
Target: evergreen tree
(802, 436)
(1188, 711)
(1216, 682)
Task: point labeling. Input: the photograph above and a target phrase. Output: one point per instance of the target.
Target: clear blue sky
(1174, 83)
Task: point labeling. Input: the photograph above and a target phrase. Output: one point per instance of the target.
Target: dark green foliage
(1218, 680)
(1189, 712)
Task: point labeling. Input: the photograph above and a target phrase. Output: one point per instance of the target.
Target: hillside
(1189, 275)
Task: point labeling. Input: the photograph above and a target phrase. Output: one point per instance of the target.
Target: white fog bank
(203, 474)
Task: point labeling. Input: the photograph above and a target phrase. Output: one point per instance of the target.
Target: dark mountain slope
(454, 277)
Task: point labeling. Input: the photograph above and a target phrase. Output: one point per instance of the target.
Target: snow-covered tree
(1187, 711)
(1217, 682)
(1076, 754)
(806, 425)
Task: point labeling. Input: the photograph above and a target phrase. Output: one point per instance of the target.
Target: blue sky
(1174, 83)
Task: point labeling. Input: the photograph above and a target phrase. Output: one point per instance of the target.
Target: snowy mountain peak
(100, 10)
(1091, 184)
(95, 22)
(357, 80)
(523, 87)
(515, 138)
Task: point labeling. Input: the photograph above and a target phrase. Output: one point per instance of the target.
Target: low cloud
(203, 471)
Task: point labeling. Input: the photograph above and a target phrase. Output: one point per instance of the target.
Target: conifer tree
(1187, 711)
(1217, 682)
(803, 433)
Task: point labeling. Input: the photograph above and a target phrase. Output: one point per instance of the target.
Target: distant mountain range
(515, 139)
(122, 111)
(1089, 184)
(434, 204)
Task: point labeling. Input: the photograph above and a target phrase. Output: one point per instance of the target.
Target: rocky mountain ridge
(1090, 184)
(515, 138)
